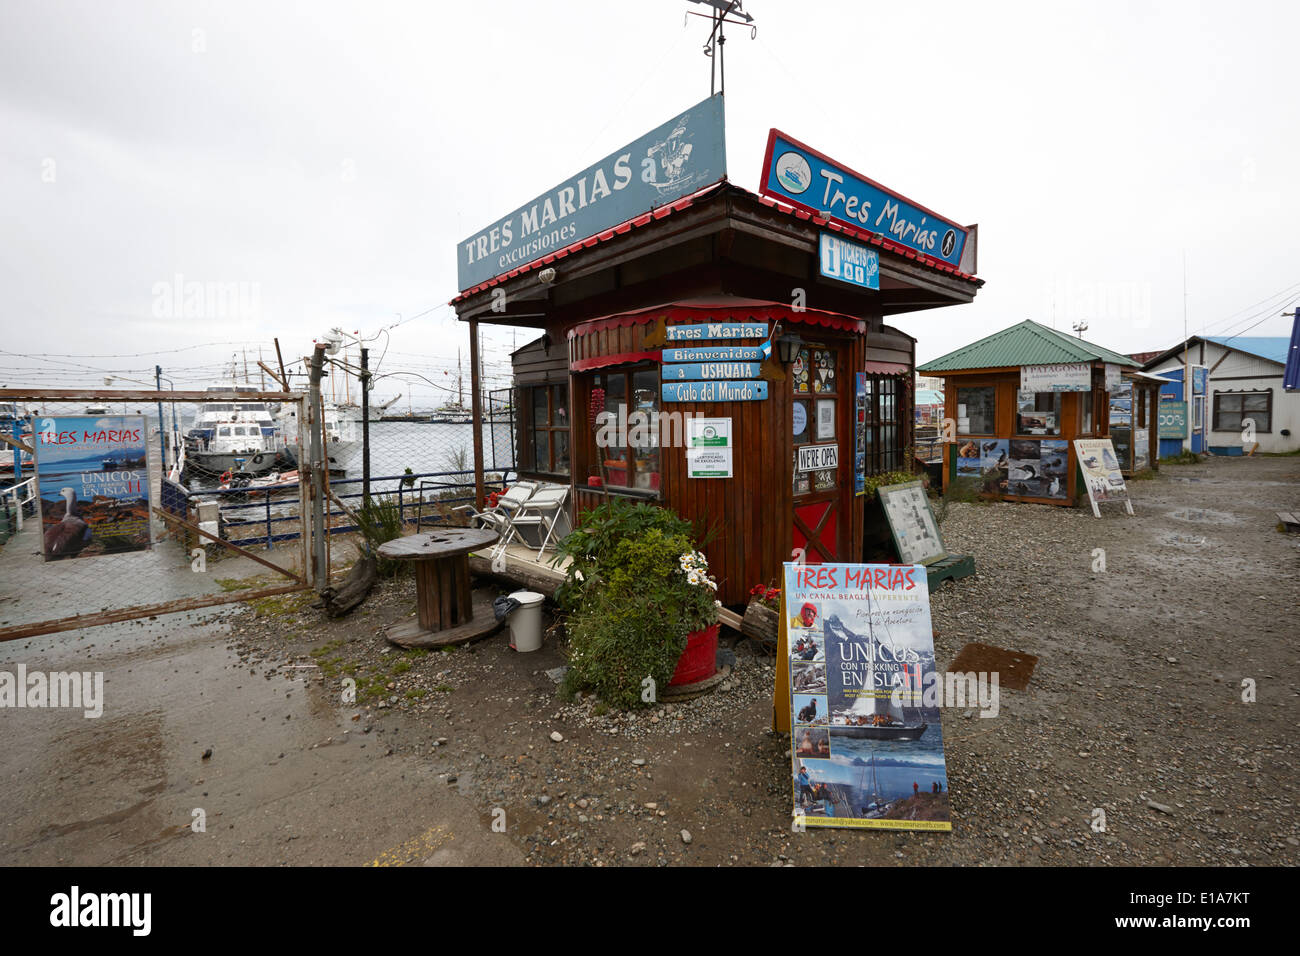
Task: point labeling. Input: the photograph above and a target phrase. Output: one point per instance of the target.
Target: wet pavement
(290, 780)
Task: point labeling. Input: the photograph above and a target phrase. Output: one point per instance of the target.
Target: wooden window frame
(956, 404)
(531, 428)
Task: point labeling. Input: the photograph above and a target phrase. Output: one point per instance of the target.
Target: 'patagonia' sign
(674, 160)
(711, 370)
(848, 261)
(722, 353)
(716, 331)
(803, 177)
(714, 391)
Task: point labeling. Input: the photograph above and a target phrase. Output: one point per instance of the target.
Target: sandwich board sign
(859, 680)
(911, 522)
(1101, 474)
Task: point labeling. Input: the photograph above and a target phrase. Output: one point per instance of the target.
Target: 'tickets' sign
(801, 176)
(93, 478)
(674, 160)
(865, 733)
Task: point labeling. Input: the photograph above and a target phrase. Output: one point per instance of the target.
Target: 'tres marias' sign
(801, 176)
(671, 161)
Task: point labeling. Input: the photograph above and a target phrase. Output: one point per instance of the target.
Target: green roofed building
(1017, 399)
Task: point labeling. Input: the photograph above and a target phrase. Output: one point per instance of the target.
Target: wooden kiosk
(718, 304)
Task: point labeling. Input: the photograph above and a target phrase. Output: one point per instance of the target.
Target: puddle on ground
(1203, 516)
(1177, 540)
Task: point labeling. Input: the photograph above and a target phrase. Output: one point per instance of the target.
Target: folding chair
(497, 519)
(542, 510)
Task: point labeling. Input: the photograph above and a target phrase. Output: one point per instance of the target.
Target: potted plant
(641, 604)
(761, 622)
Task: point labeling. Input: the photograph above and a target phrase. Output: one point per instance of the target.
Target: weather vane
(717, 37)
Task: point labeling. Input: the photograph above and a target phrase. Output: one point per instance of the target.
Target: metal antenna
(1080, 327)
(717, 37)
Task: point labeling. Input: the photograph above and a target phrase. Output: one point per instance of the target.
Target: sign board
(721, 353)
(916, 533)
(867, 746)
(1171, 419)
(674, 160)
(1101, 472)
(714, 391)
(848, 261)
(1112, 377)
(708, 448)
(716, 331)
(93, 481)
(711, 370)
(801, 176)
(1200, 377)
(1073, 377)
(817, 457)
(860, 400)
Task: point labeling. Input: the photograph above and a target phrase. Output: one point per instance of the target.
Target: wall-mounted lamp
(546, 276)
(787, 347)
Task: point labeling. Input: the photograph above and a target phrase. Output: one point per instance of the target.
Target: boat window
(224, 431)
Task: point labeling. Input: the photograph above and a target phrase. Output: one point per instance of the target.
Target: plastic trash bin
(526, 621)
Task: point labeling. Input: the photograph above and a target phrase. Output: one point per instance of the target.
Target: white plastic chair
(542, 510)
(498, 519)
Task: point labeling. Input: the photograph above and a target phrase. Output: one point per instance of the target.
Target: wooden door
(822, 393)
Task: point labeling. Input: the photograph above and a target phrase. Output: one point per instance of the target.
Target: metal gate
(73, 557)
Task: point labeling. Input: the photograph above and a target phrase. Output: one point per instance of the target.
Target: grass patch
(1146, 474)
(238, 584)
(1184, 457)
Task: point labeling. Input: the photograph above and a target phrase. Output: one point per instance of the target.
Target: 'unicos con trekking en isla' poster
(93, 473)
(866, 751)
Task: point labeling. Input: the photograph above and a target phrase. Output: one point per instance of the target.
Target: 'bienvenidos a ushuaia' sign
(93, 478)
(867, 752)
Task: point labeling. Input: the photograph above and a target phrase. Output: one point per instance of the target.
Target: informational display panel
(1101, 472)
(866, 743)
(708, 448)
(93, 479)
(916, 533)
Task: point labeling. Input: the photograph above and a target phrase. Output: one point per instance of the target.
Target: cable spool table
(447, 610)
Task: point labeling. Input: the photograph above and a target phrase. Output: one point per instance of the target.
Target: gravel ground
(1135, 706)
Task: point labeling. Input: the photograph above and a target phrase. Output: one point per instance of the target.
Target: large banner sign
(671, 161)
(867, 745)
(93, 479)
(801, 176)
(1071, 377)
(1172, 419)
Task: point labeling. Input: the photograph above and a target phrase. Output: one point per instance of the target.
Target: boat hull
(216, 463)
(878, 733)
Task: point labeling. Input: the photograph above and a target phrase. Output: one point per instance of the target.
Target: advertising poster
(866, 751)
(860, 435)
(1054, 460)
(1101, 472)
(93, 478)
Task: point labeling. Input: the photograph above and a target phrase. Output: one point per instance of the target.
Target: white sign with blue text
(708, 370)
(848, 261)
(722, 353)
(752, 391)
(716, 331)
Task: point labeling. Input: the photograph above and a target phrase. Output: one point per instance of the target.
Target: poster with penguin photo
(93, 482)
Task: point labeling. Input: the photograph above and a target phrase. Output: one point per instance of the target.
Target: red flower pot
(700, 659)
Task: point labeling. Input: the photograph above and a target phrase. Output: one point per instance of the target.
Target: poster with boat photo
(93, 481)
(881, 764)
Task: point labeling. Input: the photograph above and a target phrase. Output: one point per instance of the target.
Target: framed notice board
(911, 522)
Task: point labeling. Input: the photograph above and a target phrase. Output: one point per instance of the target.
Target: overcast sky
(326, 158)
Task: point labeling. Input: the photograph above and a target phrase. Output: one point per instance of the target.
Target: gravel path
(1135, 707)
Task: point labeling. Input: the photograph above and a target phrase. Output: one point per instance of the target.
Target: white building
(1243, 383)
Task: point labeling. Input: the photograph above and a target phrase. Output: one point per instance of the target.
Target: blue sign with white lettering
(671, 161)
(715, 331)
(714, 391)
(848, 261)
(801, 176)
(722, 353)
(711, 370)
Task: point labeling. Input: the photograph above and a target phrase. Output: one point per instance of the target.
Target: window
(1038, 413)
(548, 429)
(631, 457)
(1085, 413)
(975, 408)
(815, 413)
(1233, 409)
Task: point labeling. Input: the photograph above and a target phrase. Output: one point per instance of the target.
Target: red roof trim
(682, 314)
(622, 358)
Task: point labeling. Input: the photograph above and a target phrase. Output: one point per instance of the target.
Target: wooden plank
(140, 395)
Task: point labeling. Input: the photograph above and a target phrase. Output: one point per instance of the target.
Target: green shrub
(381, 520)
(616, 641)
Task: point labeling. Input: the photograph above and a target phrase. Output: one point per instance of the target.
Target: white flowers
(696, 568)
